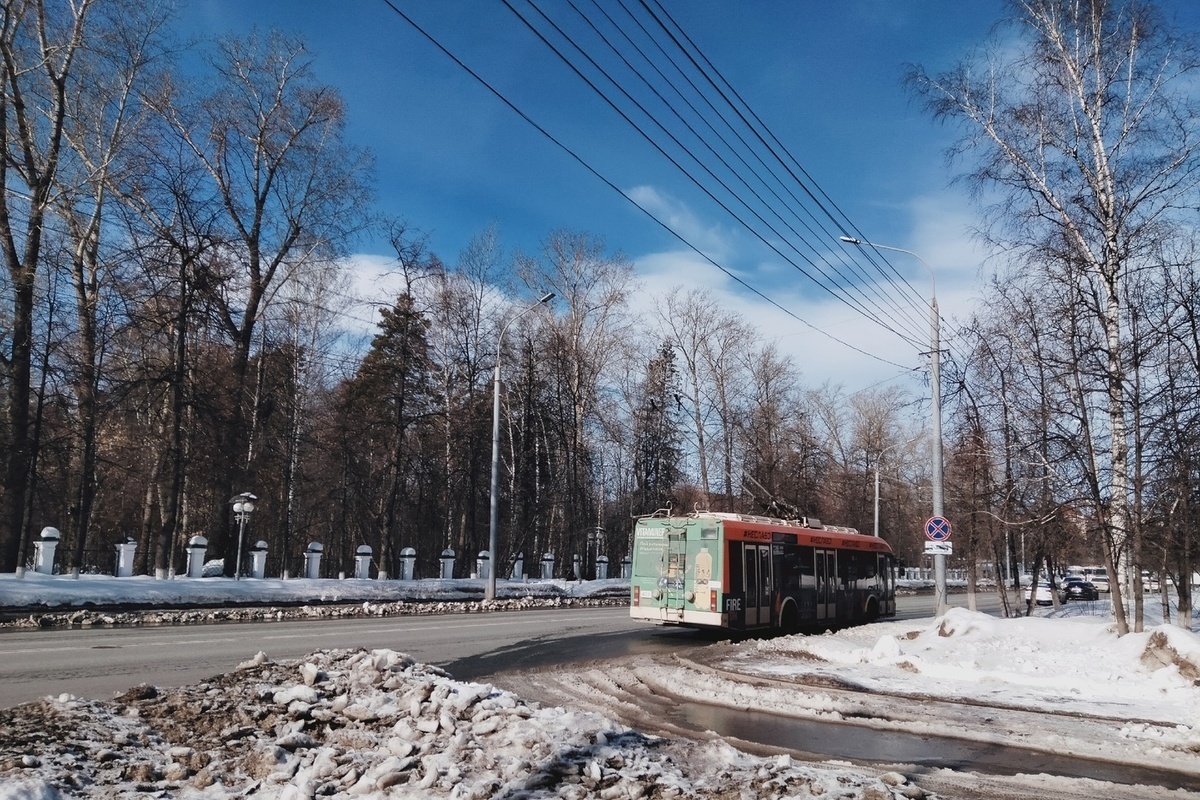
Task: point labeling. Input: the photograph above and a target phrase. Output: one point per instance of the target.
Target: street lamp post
(490, 591)
(243, 506)
(935, 380)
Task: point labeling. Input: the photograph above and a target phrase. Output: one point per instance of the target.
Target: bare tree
(689, 321)
(271, 139)
(39, 44)
(105, 115)
(1086, 134)
(592, 289)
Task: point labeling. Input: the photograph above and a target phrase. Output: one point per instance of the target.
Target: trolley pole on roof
(935, 380)
(489, 592)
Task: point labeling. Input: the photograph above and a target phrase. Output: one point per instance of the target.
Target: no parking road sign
(937, 529)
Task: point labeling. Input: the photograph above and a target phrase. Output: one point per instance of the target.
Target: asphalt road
(103, 662)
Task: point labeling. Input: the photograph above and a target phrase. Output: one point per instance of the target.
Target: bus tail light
(637, 595)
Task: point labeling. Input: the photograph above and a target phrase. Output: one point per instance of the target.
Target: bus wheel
(872, 610)
(789, 618)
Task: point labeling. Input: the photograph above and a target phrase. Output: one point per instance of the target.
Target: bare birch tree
(39, 44)
(1086, 135)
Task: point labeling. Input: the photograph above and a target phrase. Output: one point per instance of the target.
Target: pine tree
(658, 436)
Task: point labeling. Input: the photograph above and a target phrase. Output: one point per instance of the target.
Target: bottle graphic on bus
(703, 569)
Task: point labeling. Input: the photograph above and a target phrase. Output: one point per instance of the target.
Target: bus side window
(791, 568)
(808, 575)
(736, 584)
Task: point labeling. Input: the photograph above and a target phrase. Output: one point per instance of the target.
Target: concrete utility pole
(935, 380)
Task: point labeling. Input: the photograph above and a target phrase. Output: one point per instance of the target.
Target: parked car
(1100, 582)
(1078, 589)
(1044, 597)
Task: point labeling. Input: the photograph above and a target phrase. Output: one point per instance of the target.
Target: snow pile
(38, 591)
(375, 724)
(1131, 699)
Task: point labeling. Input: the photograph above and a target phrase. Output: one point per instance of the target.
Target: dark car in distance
(1078, 589)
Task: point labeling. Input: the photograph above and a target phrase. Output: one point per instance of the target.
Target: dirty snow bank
(375, 724)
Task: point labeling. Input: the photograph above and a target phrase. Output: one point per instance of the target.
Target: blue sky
(824, 77)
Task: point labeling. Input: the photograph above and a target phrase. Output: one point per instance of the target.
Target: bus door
(826, 569)
(757, 564)
(674, 575)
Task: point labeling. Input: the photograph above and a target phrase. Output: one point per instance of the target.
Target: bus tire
(872, 610)
(789, 617)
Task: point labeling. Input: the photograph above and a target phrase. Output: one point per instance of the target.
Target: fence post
(312, 560)
(408, 563)
(196, 548)
(43, 551)
(258, 560)
(125, 551)
(362, 561)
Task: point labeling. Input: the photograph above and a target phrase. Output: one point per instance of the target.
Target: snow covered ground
(378, 725)
(63, 591)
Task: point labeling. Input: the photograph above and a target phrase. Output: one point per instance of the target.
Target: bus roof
(807, 525)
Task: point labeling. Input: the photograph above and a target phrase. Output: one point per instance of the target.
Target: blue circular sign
(937, 529)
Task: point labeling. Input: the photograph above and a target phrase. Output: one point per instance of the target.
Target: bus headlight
(658, 594)
(690, 597)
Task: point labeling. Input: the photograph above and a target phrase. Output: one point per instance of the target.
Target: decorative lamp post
(490, 590)
(243, 507)
(935, 380)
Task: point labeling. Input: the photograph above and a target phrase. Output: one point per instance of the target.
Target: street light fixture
(243, 507)
(935, 380)
(490, 590)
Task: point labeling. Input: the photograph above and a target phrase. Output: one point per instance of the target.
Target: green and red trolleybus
(714, 570)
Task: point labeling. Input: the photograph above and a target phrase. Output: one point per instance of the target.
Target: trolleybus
(741, 572)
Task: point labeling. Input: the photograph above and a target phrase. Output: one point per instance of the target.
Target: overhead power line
(817, 222)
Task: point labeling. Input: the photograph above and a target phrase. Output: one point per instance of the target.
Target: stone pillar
(447, 563)
(258, 559)
(408, 563)
(312, 560)
(601, 568)
(125, 552)
(577, 567)
(43, 551)
(626, 568)
(518, 570)
(362, 562)
(196, 548)
(547, 566)
(483, 564)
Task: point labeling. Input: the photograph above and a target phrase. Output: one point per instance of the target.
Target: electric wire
(594, 172)
(817, 262)
(429, 36)
(824, 236)
(724, 206)
(844, 225)
(762, 132)
(759, 128)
